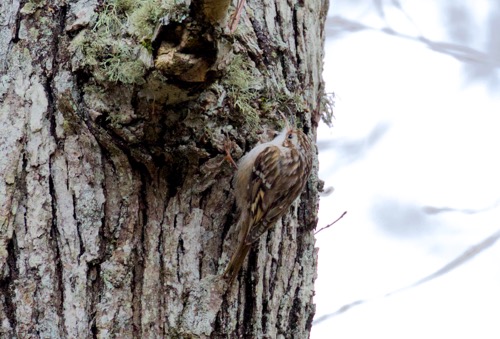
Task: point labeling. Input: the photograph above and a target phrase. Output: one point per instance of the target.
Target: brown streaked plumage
(269, 179)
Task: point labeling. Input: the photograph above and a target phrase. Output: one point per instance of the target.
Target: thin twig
(470, 253)
(228, 144)
(236, 16)
(321, 229)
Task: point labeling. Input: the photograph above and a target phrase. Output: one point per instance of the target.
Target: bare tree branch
(338, 24)
(460, 260)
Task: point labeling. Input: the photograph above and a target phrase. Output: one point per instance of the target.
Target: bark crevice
(7, 285)
(55, 241)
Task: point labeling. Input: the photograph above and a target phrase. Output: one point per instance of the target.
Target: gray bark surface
(116, 204)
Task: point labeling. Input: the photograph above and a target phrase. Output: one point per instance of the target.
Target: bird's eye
(290, 136)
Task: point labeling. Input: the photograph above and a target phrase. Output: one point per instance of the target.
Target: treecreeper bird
(268, 180)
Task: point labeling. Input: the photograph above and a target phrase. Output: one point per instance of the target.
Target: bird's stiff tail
(237, 261)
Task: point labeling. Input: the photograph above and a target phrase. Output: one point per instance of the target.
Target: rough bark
(116, 206)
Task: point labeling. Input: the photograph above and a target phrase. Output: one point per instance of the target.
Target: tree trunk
(117, 209)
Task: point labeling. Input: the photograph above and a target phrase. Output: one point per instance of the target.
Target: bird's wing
(265, 171)
(269, 195)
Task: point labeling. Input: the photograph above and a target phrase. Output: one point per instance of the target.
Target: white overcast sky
(413, 158)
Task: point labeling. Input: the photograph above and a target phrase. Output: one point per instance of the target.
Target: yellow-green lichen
(243, 88)
(280, 102)
(122, 30)
(109, 59)
(124, 6)
(34, 33)
(327, 106)
(122, 66)
(251, 96)
(32, 5)
(109, 20)
(145, 18)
